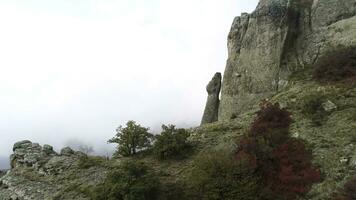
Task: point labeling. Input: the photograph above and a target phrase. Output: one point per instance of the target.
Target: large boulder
(277, 39)
(67, 151)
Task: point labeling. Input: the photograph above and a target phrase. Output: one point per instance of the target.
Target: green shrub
(131, 139)
(218, 175)
(353, 116)
(313, 108)
(131, 181)
(171, 143)
(173, 191)
(86, 162)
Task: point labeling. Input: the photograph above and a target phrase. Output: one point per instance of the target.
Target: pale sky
(74, 70)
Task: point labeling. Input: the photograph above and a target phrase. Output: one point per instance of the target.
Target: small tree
(171, 143)
(131, 139)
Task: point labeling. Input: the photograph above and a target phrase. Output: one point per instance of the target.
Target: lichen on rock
(213, 101)
(277, 39)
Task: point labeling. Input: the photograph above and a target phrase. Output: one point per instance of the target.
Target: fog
(72, 71)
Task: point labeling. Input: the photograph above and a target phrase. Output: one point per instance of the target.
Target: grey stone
(67, 151)
(329, 106)
(277, 39)
(48, 150)
(212, 104)
(22, 144)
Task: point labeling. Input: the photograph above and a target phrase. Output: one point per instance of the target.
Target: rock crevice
(277, 39)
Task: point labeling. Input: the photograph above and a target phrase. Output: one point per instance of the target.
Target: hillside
(273, 54)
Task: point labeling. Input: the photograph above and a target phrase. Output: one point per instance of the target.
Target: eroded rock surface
(278, 38)
(213, 101)
(38, 172)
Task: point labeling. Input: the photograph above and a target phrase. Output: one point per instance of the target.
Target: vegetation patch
(86, 162)
(337, 66)
(268, 163)
(131, 139)
(171, 143)
(313, 108)
(130, 181)
(349, 190)
(218, 175)
(283, 163)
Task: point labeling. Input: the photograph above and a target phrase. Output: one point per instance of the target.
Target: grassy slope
(333, 142)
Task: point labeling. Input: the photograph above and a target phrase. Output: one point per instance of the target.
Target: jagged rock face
(278, 38)
(212, 104)
(30, 154)
(36, 171)
(67, 151)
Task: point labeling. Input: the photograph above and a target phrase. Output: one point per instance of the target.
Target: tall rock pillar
(212, 104)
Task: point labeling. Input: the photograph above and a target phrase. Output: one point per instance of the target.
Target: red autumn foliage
(349, 190)
(283, 162)
(294, 173)
(270, 117)
(250, 159)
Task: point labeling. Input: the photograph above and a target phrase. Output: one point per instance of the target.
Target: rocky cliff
(277, 39)
(271, 52)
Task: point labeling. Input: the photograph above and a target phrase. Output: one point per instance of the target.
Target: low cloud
(80, 71)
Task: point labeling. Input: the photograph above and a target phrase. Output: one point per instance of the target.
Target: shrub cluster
(86, 162)
(337, 66)
(269, 164)
(131, 139)
(283, 163)
(269, 118)
(171, 143)
(313, 108)
(131, 181)
(218, 175)
(349, 190)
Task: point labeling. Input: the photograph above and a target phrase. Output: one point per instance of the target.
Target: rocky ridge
(279, 38)
(266, 49)
(37, 172)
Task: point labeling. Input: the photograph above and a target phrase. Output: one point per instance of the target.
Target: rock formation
(265, 47)
(36, 171)
(30, 154)
(212, 103)
(277, 39)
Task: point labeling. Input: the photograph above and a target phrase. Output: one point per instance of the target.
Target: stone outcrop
(277, 39)
(213, 101)
(36, 172)
(30, 154)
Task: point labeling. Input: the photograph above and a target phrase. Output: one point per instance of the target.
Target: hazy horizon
(75, 70)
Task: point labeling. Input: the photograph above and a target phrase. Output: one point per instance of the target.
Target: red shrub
(249, 158)
(337, 66)
(349, 190)
(283, 162)
(270, 117)
(294, 173)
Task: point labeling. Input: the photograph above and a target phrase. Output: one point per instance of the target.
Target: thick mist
(72, 71)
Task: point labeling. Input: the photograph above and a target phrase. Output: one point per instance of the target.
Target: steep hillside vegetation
(286, 130)
(328, 129)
